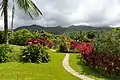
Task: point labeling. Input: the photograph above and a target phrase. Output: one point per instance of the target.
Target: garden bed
(78, 64)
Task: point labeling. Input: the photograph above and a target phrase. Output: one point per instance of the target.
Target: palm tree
(12, 21)
(27, 5)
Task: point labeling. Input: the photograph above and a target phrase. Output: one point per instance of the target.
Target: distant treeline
(61, 30)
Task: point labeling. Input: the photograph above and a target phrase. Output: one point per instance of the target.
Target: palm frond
(1, 8)
(29, 7)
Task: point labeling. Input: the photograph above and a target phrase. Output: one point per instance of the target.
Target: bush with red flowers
(109, 63)
(40, 41)
(83, 47)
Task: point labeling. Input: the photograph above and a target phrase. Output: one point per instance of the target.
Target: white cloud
(68, 12)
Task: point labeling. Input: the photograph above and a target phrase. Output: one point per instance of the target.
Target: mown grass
(31, 71)
(79, 66)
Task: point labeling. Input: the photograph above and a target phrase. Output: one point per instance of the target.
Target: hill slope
(60, 30)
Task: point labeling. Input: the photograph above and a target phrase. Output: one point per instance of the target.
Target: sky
(70, 12)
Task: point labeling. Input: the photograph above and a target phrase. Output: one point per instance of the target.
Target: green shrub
(20, 37)
(90, 35)
(107, 42)
(79, 35)
(5, 51)
(35, 35)
(15, 55)
(1, 37)
(34, 54)
(64, 44)
(64, 47)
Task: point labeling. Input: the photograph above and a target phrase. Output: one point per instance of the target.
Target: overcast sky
(68, 12)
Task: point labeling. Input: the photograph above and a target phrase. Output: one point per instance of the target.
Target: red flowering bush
(83, 47)
(109, 63)
(40, 41)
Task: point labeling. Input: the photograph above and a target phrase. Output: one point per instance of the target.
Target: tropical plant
(78, 36)
(12, 21)
(36, 34)
(64, 45)
(107, 42)
(1, 37)
(34, 54)
(5, 50)
(20, 37)
(83, 47)
(27, 5)
(109, 63)
(40, 41)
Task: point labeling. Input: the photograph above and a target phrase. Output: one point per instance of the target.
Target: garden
(29, 55)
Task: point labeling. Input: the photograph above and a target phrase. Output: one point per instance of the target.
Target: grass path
(30, 71)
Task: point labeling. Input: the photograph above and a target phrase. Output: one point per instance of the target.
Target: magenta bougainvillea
(83, 47)
(40, 41)
(109, 63)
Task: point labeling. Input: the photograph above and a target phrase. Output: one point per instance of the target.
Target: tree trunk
(5, 21)
(12, 22)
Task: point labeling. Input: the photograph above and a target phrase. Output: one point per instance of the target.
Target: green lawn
(79, 66)
(30, 71)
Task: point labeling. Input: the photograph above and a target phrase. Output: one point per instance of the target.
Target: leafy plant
(40, 41)
(1, 37)
(5, 50)
(20, 37)
(64, 45)
(109, 63)
(107, 42)
(83, 47)
(34, 54)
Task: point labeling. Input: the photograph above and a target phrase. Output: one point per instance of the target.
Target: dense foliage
(109, 63)
(5, 52)
(1, 37)
(40, 41)
(101, 51)
(103, 41)
(64, 44)
(83, 47)
(34, 54)
(20, 37)
(107, 42)
(78, 35)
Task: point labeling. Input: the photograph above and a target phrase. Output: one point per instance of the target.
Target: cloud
(68, 12)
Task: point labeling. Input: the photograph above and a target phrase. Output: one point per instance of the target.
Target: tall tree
(5, 11)
(27, 5)
(13, 12)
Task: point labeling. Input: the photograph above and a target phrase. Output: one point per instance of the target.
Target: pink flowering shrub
(83, 47)
(109, 63)
(40, 41)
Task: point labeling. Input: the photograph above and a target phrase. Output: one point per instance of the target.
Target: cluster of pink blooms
(40, 41)
(83, 47)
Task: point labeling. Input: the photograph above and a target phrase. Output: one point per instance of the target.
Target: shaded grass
(78, 65)
(30, 71)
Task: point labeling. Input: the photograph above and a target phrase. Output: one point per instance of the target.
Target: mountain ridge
(60, 29)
